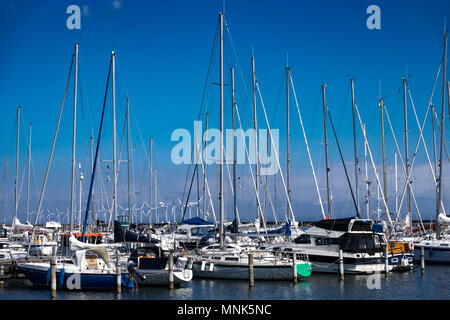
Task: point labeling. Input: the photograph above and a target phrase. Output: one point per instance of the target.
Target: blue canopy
(197, 221)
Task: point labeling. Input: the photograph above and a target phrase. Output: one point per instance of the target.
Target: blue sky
(163, 50)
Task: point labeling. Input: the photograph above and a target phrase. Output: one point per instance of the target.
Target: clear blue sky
(163, 50)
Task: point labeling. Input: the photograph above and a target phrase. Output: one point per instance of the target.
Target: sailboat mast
(288, 134)
(434, 138)
(256, 136)
(326, 150)
(235, 222)
(17, 166)
(151, 178)
(74, 137)
(383, 154)
(354, 145)
(28, 175)
(367, 176)
(439, 186)
(205, 167)
(408, 190)
(221, 134)
(114, 133)
(92, 171)
(4, 190)
(130, 216)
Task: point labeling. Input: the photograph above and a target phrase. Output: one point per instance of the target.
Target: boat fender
(411, 246)
(202, 268)
(211, 267)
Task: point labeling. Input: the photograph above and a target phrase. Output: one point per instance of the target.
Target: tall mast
(28, 175)
(74, 137)
(151, 178)
(326, 150)
(434, 138)
(256, 136)
(383, 155)
(396, 186)
(92, 171)
(408, 190)
(235, 222)
(221, 133)
(367, 176)
(439, 186)
(4, 190)
(114, 133)
(17, 166)
(204, 169)
(80, 194)
(288, 159)
(354, 145)
(130, 216)
(156, 199)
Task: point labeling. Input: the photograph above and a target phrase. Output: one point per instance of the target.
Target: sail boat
(230, 261)
(437, 247)
(90, 266)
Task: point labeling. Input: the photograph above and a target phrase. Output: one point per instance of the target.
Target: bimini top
(345, 224)
(198, 222)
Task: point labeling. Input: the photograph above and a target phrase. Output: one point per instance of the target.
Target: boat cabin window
(323, 241)
(352, 243)
(444, 244)
(303, 239)
(231, 259)
(366, 242)
(378, 240)
(2, 256)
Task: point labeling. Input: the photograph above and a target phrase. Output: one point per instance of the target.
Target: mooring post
(294, 264)
(386, 260)
(2, 275)
(171, 284)
(251, 277)
(119, 274)
(422, 259)
(53, 277)
(341, 265)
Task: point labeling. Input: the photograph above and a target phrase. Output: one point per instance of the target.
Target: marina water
(433, 285)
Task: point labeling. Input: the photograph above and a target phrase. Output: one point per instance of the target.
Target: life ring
(411, 246)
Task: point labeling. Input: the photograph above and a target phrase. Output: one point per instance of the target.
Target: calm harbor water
(433, 285)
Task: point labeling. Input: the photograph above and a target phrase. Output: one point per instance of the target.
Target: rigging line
(88, 205)
(408, 178)
(276, 155)
(307, 148)
(343, 163)
(439, 128)
(247, 155)
(203, 97)
(373, 164)
(50, 158)
(238, 64)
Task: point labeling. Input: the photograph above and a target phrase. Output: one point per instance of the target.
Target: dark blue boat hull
(87, 281)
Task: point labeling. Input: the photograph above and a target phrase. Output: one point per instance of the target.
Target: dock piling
(386, 260)
(2, 275)
(422, 259)
(294, 264)
(341, 265)
(119, 276)
(251, 277)
(171, 284)
(53, 277)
